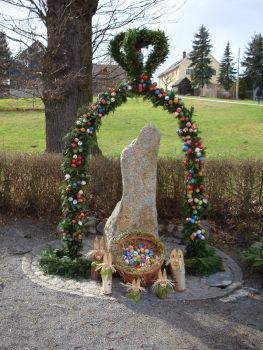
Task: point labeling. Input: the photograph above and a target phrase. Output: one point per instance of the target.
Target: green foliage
(253, 62)
(254, 256)
(126, 47)
(242, 88)
(54, 262)
(201, 63)
(204, 266)
(199, 258)
(226, 69)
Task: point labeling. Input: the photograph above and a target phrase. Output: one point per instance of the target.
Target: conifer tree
(201, 63)
(227, 70)
(5, 58)
(253, 62)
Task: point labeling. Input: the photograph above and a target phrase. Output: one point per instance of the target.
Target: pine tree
(227, 70)
(202, 71)
(253, 62)
(5, 58)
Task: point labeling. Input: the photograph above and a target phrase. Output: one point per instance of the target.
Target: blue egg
(101, 110)
(185, 148)
(192, 221)
(157, 92)
(74, 184)
(199, 235)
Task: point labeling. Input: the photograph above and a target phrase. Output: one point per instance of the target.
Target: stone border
(197, 288)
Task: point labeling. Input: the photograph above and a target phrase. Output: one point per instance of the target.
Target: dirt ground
(34, 317)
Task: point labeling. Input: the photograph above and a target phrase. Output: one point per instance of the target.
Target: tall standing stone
(136, 210)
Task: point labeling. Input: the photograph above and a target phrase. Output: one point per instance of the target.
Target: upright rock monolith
(136, 210)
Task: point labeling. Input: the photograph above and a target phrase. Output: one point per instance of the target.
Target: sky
(236, 21)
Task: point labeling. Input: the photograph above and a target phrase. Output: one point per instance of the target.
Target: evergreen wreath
(125, 49)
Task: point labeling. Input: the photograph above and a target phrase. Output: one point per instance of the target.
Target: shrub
(51, 262)
(254, 256)
(30, 184)
(204, 266)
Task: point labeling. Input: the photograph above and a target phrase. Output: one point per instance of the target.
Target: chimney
(184, 54)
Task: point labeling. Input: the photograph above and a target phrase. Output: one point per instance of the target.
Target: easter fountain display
(126, 49)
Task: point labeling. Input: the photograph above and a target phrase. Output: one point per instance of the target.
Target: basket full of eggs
(138, 255)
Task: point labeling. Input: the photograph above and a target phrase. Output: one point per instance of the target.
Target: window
(189, 71)
(213, 71)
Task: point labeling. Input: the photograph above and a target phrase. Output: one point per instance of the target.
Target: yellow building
(180, 74)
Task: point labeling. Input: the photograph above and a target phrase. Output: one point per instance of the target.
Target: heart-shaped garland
(126, 47)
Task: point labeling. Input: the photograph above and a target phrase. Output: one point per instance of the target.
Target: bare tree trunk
(67, 73)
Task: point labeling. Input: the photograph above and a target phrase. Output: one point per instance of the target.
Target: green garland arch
(126, 50)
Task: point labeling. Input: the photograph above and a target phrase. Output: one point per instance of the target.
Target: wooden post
(178, 269)
(97, 256)
(106, 273)
(94, 273)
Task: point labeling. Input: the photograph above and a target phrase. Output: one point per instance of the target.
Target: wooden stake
(106, 273)
(94, 273)
(178, 269)
(97, 255)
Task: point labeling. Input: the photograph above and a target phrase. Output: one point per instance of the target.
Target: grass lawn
(228, 130)
(21, 103)
(22, 131)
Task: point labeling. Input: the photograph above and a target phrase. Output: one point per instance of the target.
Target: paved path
(224, 101)
(33, 317)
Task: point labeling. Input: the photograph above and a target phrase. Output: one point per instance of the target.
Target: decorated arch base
(126, 50)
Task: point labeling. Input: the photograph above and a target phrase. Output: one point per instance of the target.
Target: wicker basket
(147, 274)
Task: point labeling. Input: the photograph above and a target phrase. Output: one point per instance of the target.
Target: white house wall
(179, 72)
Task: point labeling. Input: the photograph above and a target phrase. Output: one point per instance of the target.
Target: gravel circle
(197, 288)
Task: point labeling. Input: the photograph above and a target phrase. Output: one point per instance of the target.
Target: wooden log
(106, 273)
(106, 284)
(178, 269)
(94, 273)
